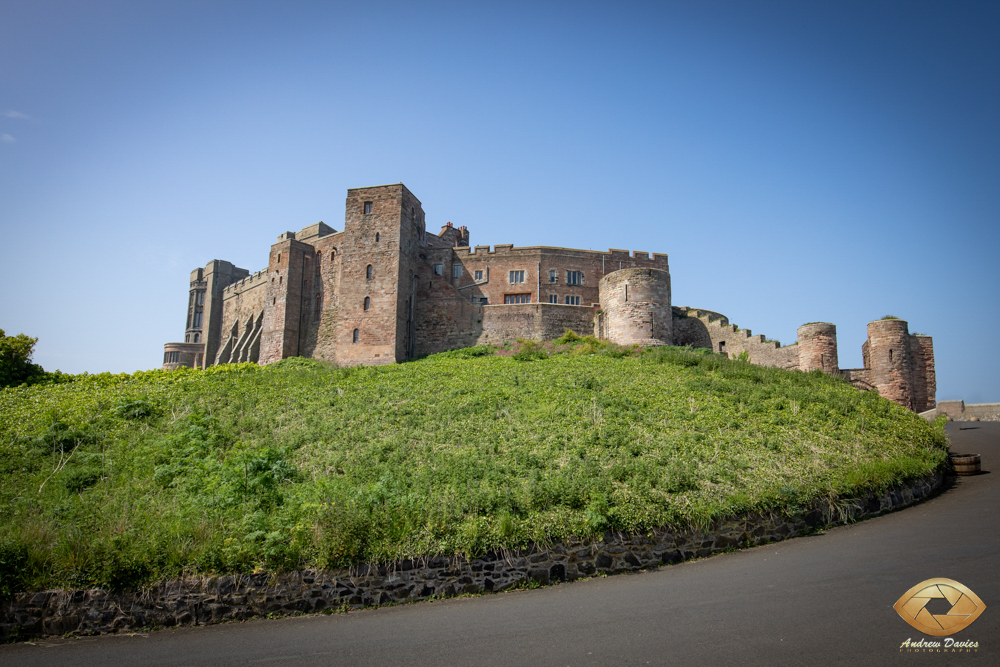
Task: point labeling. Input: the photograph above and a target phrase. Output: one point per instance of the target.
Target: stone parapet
(204, 600)
(182, 355)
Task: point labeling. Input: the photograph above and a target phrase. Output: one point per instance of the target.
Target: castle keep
(385, 290)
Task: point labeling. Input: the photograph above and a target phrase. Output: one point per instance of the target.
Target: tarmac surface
(820, 600)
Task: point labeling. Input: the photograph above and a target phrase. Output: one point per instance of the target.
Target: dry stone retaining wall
(218, 599)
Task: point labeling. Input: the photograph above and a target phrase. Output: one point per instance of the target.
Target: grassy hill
(121, 480)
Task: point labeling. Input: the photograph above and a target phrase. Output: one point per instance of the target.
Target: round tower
(818, 347)
(890, 365)
(636, 305)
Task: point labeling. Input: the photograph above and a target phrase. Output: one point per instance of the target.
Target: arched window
(376, 237)
(355, 336)
(333, 254)
(368, 303)
(368, 272)
(318, 308)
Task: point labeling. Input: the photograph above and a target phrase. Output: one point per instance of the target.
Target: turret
(636, 307)
(818, 347)
(889, 362)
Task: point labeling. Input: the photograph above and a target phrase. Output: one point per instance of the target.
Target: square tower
(383, 233)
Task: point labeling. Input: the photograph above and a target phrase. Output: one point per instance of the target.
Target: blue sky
(798, 161)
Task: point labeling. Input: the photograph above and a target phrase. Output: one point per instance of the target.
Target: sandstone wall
(321, 305)
(242, 309)
(636, 307)
(384, 239)
(189, 355)
(283, 299)
(961, 411)
(818, 347)
(728, 339)
(924, 376)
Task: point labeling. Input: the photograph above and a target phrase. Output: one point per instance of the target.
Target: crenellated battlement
(385, 289)
(659, 259)
(255, 279)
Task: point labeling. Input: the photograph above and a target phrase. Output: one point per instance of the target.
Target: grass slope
(122, 480)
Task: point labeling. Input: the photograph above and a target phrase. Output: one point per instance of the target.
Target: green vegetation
(16, 367)
(889, 317)
(123, 480)
(15, 360)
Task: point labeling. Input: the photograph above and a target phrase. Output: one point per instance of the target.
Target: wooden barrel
(965, 464)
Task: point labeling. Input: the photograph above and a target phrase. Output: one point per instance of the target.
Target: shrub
(15, 360)
(529, 350)
(569, 336)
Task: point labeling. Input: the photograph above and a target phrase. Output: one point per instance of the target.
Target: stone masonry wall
(636, 307)
(218, 599)
(243, 303)
(818, 347)
(735, 340)
(924, 376)
(889, 360)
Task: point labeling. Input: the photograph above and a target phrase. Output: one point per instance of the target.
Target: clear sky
(798, 161)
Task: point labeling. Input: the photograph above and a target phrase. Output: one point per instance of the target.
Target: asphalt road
(820, 600)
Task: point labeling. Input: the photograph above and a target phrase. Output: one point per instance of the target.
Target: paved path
(820, 600)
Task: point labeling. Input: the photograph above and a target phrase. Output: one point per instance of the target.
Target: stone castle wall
(384, 290)
(636, 307)
(708, 329)
(818, 347)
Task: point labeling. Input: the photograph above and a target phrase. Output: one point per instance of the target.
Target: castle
(385, 289)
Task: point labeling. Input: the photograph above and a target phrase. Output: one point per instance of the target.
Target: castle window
(890, 355)
(279, 258)
(196, 337)
(318, 308)
(553, 298)
(354, 339)
(368, 207)
(172, 358)
(483, 301)
(333, 254)
(572, 301)
(456, 271)
(479, 276)
(722, 347)
(516, 277)
(574, 277)
(439, 269)
(368, 272)
(377, 237)
(516, 298)
(197, 321)
(317, 269)
(552, 276)
(368, 302)
(200, 298)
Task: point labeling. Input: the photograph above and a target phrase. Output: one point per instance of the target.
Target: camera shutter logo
(965, 607)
